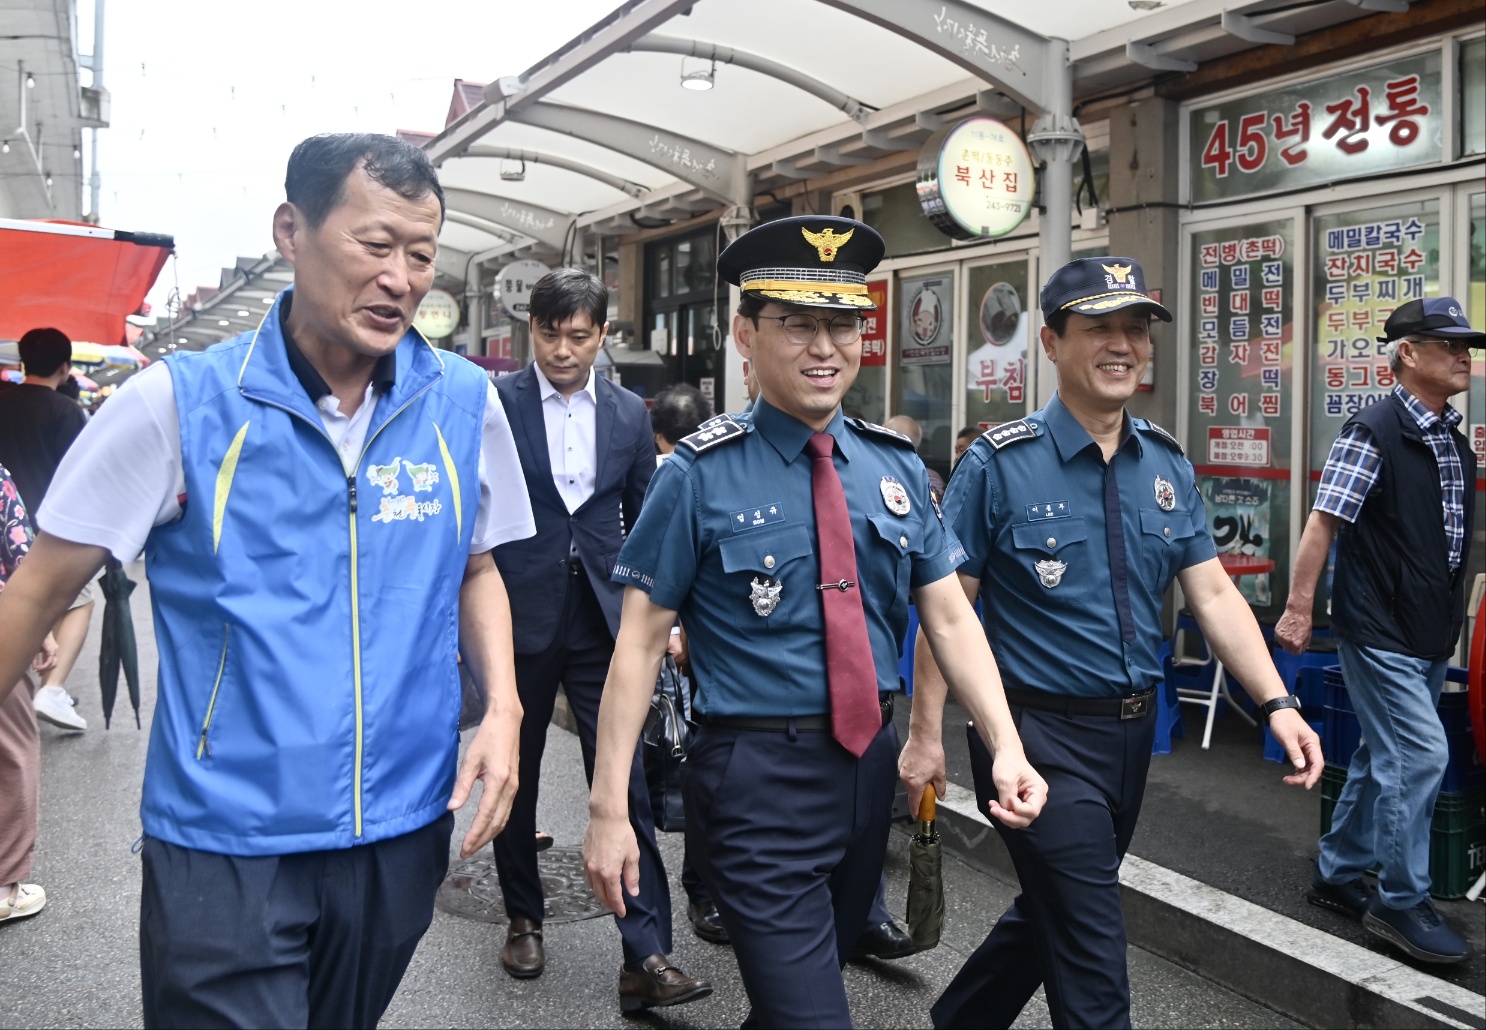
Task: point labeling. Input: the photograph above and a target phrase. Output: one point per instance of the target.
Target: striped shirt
(1353, 464)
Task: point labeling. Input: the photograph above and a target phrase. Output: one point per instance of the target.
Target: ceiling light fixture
(178, 339)
(698, 79)
(77, 152)
(509, 173)
(5, 147)
(30, 81)
(243, 314)
(223, 321)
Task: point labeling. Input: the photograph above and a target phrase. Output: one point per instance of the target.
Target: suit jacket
(535, 570)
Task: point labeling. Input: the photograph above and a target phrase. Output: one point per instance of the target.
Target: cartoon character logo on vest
(424, 476)
(385, 476)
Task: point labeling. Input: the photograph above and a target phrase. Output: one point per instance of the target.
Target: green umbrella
(118, 646)
(925, 878)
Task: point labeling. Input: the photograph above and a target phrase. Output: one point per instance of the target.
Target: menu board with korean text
(1242, 411)
(1365, 264)
(1000, 331)
(1361, 122)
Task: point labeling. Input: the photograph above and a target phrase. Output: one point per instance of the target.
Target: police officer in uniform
(789, 539)
(1075, 520)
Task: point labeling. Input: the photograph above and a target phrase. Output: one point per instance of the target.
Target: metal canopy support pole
(540, 223)
(1056, 142)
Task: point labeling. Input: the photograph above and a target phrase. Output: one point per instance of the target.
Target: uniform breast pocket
(1053, 560)
(1163, 539)
(774, 571)
(886, 567)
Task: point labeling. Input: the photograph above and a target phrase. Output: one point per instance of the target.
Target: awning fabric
(80, 279)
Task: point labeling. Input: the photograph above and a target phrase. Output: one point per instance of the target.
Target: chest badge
(894, 496)
(1050, 571)
(764, 593)
(1165, 494)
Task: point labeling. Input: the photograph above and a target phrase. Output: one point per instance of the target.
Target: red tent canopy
(79, 278)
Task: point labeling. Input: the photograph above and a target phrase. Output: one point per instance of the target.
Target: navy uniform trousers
(315, 939)
(790, 832)
(1066, 929)
(577, 658)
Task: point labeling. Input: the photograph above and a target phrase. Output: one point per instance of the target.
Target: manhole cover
(472, 889)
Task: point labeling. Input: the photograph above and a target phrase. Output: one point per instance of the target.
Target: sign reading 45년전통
(1360, 122)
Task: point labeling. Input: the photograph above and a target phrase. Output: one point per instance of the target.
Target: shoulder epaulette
(1010, 433)
(717, 430)
(1163, 434)
(872, 427)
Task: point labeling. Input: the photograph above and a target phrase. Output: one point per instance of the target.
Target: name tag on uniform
(752, 518)
(1048, 510)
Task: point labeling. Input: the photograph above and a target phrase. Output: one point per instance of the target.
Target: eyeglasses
(1454, 348)
(800, 329)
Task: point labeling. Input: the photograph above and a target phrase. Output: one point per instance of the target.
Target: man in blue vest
(1399, 485)
(316, 502)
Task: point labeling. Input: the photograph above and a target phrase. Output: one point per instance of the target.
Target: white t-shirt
(123, 476)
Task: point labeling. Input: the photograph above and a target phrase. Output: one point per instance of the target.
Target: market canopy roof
(600, 136)
(80, 279)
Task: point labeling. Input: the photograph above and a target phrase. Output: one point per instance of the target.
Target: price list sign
(1366, 264)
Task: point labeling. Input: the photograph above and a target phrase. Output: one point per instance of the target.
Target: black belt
(778, 724)
(1132, 706)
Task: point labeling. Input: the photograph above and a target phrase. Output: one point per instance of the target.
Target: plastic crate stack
(1457, 845)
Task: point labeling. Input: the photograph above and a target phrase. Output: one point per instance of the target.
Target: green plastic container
(1457, 836)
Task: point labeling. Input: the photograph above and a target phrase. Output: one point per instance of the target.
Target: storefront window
(1242, 418)
(682, 312)
(926, 379)
(1475, 305)
(1473, 97)
(867, 397)
(895, 213)
(999, 334)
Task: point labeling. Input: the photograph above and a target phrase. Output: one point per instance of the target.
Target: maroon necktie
(850, 670)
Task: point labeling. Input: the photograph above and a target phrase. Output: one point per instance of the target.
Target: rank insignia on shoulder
(1010, 432)
(1163, 434)
(872, 427)
(713, 432)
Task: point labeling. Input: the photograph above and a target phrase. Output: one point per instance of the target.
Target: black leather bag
(666, 739)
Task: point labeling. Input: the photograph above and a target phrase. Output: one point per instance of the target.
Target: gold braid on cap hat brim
(1124, 295)
(833, 294)
(796, 284)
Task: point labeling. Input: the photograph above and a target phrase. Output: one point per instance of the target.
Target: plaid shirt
(1352, 470)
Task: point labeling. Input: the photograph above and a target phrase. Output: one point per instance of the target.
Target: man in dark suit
(588, 452)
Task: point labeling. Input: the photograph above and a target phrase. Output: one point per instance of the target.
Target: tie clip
(844, 584)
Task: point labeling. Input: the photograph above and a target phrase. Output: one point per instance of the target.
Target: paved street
(76, 963)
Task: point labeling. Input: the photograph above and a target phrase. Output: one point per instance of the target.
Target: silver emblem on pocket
(894, 496)
(764, 593)
(1165, 494)
(1050, 571)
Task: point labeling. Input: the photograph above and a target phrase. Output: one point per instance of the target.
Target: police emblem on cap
(894, 496)
(764, 593)
(1165, 494)
(826, 242)
(1118, 274)
(1050, 571)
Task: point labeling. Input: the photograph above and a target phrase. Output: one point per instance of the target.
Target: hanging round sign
(438, 315)
(514, 284)
(975, 179)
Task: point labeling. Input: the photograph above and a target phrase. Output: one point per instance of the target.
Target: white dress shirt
(124, 475)
(572, 439)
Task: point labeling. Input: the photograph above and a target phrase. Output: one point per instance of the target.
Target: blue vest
(307, 619)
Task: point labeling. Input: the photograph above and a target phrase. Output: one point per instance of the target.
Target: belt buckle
(1134, 707)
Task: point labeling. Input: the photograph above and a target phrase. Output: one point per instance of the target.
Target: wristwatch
(1278, 704)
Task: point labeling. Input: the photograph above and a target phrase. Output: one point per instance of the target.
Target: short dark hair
(320, 165)
(1058, 322)
(44, 351)
(751, 305)
(969, 433)
(678, 411)
(563, 293)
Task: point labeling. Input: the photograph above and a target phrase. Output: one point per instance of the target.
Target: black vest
(1393, 588)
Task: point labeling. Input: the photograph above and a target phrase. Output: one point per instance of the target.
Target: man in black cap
(1397, 606)
(789, 539)
(1075, 520)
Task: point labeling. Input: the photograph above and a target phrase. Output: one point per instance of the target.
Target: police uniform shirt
(727, 538)
(1064, 611)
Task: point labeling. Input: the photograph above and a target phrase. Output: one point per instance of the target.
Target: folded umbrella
(925, 878)
(118, 646)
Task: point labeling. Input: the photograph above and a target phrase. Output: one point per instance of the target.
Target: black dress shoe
(657, 984)
(707, 923)
(884, 940)
(524, 956)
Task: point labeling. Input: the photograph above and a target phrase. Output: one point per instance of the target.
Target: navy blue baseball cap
(1097, 286)
(1443, 317)
(818, 261)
